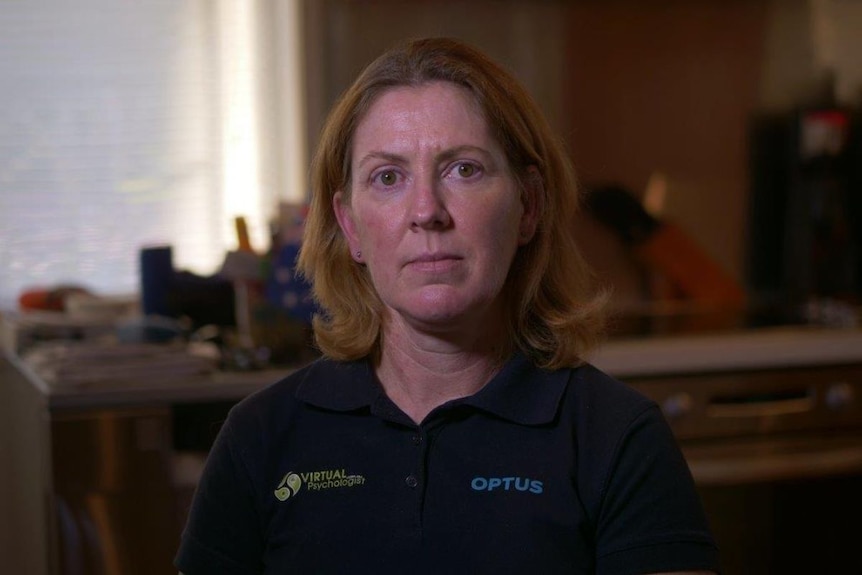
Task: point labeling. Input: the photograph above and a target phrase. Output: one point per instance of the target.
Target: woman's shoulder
(599, 400)
(293, 391)
(592, 385)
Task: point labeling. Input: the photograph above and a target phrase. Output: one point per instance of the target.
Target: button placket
(418, 440)
(413, 478)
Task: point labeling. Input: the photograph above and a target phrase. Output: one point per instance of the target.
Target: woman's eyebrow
(444, 155)
(451, 153)
(381, 155)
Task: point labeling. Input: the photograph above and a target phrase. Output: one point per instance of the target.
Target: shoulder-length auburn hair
(554, 313)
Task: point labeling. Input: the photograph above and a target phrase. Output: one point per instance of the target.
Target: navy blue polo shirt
(566, 471)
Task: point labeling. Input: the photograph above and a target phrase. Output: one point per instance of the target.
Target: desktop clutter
(254, 312)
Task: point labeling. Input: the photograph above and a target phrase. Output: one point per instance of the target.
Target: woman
(451, 426)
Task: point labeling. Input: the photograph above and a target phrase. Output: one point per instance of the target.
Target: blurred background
(153, 175)
(132, 124)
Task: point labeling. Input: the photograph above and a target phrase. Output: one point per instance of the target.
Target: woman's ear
(344, 215)
(533, 199)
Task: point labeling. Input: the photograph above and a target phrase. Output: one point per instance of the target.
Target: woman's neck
(420, 372)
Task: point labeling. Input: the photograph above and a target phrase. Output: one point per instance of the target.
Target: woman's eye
(467, 170)
(387, 178)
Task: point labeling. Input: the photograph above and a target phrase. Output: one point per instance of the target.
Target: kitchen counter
(132, 449)
(217, 386)
(671, 355)
(753, 349)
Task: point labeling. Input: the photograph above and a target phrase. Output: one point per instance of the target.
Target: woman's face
(434, 209)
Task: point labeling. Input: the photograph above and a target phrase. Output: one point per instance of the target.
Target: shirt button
(417, 439)
(411, 481)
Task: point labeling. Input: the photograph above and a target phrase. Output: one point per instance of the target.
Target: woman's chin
(441, 315)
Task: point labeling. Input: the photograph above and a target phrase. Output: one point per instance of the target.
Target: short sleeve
(651, 518)
(222, 534)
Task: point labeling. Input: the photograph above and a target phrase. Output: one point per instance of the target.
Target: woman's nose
(428, 209)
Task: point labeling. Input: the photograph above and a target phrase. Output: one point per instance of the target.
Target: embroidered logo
(289, 486)
(292, 482)
(507, 484)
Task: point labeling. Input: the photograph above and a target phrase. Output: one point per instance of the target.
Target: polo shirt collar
(520, 392)
(339, 386)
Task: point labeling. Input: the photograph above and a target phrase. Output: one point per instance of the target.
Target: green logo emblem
(289, 486)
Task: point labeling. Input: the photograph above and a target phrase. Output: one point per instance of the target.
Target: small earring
(358, 254)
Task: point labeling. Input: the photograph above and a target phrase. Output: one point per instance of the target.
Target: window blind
(109, 141)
